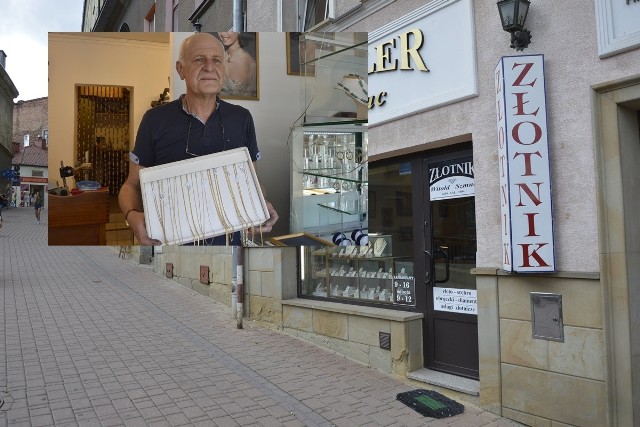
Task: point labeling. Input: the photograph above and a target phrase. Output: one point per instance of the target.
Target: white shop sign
(523, 165)
(422, 60)
(455, 300)
(451, 180)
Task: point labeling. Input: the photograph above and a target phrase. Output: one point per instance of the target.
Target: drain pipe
(234, 283)
(237, 281)
(238, 16)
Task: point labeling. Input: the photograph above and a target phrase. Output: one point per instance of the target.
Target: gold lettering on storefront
(409, 54)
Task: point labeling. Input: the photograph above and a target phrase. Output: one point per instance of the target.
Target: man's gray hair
(188, 40)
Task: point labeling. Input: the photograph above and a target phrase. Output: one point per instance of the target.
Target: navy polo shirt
(164, 131)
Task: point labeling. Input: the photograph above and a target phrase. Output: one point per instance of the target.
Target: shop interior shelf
(343, 207)
(328, 48)
(337, 122)
(353, 176)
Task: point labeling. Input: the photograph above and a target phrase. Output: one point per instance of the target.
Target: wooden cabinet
(79, 219)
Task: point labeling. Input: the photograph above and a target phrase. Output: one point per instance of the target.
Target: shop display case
(329, 145)
(358, 273)
(329, 180)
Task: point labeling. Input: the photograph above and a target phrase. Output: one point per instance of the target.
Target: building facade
(505, 180)
(8, 93)
(32, 162)
(30, 123)
(31, 136)
(219, 15)
(158, 16)
(438, 121)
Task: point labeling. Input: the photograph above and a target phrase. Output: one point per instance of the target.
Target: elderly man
(196, 124)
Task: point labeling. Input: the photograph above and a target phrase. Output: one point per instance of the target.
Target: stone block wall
(271, 277)
(538, 381)
(271, 289)
(355, 334)
(186, 262)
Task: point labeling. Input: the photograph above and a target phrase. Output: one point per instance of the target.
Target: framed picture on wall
(241, 65)
(297, 54)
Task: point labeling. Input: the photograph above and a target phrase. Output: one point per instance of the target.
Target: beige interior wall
(95, 59)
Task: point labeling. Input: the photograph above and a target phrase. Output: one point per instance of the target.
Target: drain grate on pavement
(430, 403)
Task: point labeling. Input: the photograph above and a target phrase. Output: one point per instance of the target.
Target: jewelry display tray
(203, 197)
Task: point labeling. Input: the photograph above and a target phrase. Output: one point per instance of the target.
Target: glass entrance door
(451, 329)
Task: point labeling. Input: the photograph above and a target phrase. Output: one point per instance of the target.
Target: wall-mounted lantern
(513, 14)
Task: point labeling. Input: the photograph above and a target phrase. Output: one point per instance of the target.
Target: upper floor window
(150, 19)
(26, 140)
(315, 12)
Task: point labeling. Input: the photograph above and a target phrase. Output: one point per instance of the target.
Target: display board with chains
(203, 197)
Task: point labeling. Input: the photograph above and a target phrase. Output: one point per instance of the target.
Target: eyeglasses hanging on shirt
(218, 112)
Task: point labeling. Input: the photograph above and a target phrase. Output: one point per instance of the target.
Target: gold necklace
(245, 235)
(246, 218)
(223, 215)
(216, 203)
(158, 197)
(244, 223)
(189, 214)
(248, 188)
(243, 168)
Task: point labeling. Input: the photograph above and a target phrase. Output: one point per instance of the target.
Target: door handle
(427, 263)
(440, 250)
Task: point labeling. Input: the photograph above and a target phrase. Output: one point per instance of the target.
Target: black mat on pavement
(430, 403)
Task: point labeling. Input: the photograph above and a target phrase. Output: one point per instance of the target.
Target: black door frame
(423, 261)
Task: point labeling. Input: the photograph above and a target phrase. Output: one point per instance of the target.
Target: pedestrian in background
(37, 204)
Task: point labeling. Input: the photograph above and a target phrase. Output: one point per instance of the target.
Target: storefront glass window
(391, 206)
(380, 270)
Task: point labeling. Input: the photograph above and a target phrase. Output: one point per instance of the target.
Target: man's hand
(137, 225)
(266, 226)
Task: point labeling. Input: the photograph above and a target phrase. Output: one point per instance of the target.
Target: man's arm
(130, 200)
(266, 226)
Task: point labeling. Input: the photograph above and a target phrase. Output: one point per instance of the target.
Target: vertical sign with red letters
(523, 156)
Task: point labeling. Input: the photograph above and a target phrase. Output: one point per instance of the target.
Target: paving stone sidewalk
(87, 338)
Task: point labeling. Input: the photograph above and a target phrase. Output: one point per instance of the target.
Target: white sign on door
(455, 300)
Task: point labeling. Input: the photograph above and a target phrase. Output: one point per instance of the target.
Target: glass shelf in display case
(329, 179)
(334, 83)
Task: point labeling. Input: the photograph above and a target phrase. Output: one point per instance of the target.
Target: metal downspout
(237, 281)
(238, 16)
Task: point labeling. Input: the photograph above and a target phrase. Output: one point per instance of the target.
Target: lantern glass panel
(507, 13)
(522, 13)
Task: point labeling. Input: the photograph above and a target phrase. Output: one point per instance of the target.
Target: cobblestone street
(92, 339)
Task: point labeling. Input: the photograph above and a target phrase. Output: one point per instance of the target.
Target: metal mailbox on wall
(523, 149)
